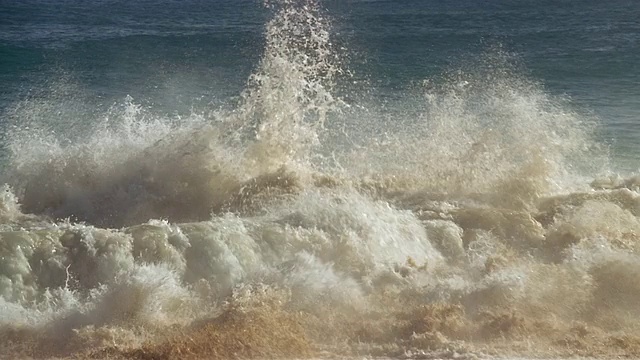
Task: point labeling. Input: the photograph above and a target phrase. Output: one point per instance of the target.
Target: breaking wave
(292, 224)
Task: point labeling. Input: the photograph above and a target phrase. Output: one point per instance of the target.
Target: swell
(291, 224)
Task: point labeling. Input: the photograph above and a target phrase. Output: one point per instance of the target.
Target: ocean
(319, 179)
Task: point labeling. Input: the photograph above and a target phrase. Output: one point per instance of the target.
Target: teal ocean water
(302, 178)
(176, 57)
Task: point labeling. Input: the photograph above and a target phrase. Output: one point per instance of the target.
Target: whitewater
(303, 220)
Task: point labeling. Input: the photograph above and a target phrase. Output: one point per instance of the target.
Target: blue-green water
(308, 178)
(177, 56)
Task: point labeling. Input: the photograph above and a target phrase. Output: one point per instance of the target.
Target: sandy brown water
(486, 227)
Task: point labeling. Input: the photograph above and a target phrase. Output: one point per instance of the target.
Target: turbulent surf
(295, 223)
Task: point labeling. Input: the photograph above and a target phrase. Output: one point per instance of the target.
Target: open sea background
(181, 56)
(319, 178)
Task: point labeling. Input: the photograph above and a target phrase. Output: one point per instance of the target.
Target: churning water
(469, 214)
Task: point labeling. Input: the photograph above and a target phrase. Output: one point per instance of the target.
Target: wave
(294, 223)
